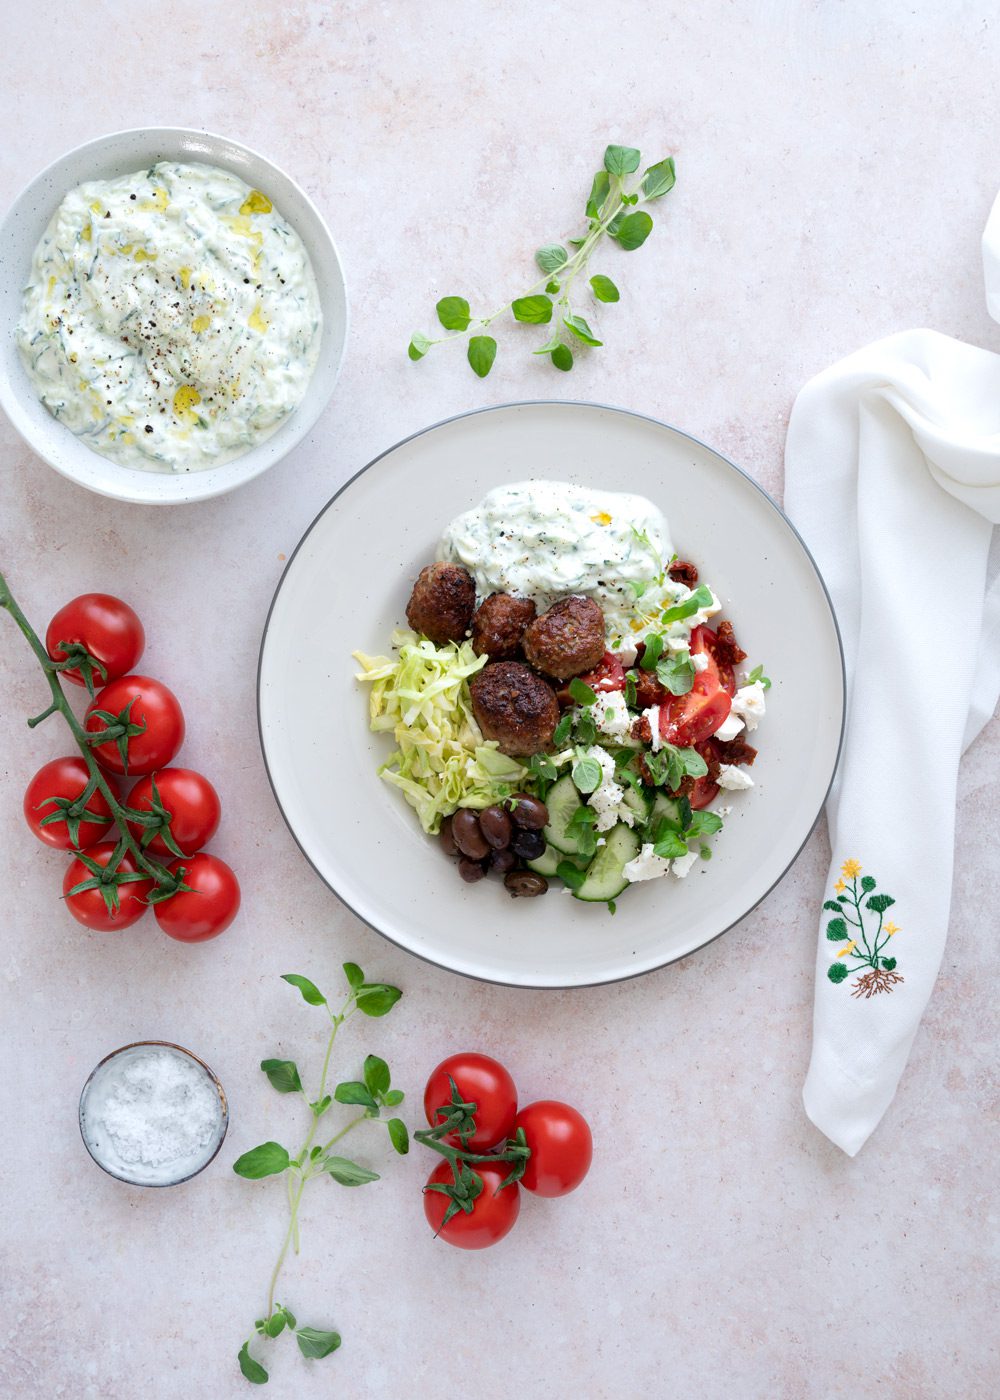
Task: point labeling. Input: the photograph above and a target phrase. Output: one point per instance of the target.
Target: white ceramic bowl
(347, 585)
(106, 158)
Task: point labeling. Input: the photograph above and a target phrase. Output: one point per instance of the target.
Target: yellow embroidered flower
(850, 869)
(849, 949)
(840, 887)
(891, 928)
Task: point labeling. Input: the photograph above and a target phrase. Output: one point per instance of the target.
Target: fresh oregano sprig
(611, 213)
(371, 1093)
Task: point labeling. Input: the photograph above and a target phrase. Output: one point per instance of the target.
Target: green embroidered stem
(881, 974)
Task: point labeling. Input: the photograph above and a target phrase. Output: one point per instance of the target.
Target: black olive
(527, 812)
(471, 870)
(525, 884)
(467, 835)
(529, 845)
(495, 825)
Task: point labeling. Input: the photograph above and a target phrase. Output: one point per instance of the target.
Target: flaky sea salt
(152, 1115)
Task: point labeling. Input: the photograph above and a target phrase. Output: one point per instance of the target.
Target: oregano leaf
(269, 1159)
(604, 289)
(283, 1074)
(315, 1344)
(252, 1370)
(534, 310)
(348, 1173)
(621, 160)
(598, 194)
(482, 352)
(551, 256)
(581, 330)
(398, 1136)
(633, 230)
(310, 992)
(659, 178)
(454, 313)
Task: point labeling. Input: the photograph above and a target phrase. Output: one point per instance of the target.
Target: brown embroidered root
(878, 980)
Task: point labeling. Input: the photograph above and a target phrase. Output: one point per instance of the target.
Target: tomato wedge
(688, 720)
(607, 675)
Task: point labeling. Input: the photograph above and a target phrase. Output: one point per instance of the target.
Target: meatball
(442, 603)
(515, 707)
(498, 625)
(566, 640)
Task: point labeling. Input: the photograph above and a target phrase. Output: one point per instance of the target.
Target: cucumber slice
(605, 878)
(547, 863)
(638, 804)
(665, 808)
(562, 801)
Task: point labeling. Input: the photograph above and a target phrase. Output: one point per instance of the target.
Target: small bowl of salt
(153, 1114)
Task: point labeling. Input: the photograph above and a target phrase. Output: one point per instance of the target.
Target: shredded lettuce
(441, 761)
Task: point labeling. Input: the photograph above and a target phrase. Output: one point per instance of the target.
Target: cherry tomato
(105, 627)
(703, 792)
(607, 675)
(66, 778)
(89, 907)
(208, 908)
(191, 802)
(687, 720)
(561, 1147)
(154, 706)
(479, 1080)
(494, 1213)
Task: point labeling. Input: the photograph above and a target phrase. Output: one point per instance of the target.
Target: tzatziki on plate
(172, 319)
(545, 539)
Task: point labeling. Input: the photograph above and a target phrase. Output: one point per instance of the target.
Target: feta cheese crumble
(606, 800)
(748, 704)
(682, 864)
(729, 728)
(611, 714)
(734, 779)
(647, 865)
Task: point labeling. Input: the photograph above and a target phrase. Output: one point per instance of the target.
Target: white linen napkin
(892, 474)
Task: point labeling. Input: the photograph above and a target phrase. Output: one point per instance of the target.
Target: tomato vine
(111, 876)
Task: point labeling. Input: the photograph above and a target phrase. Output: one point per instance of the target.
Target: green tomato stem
(62, 705)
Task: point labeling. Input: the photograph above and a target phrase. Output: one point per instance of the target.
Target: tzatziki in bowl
(177, 313)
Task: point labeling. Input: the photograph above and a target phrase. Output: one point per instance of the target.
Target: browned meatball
(442, 602)
(515, 707)
(498, 625)
(568, 639)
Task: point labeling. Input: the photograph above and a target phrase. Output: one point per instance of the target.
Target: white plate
(106, 158)
(347, 585)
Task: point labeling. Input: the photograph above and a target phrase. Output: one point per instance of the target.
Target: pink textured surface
(836, 164)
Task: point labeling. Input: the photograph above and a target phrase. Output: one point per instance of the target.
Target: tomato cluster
(491, 1149)
(170, 813)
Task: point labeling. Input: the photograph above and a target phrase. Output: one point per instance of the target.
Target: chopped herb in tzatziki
(171, 320)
